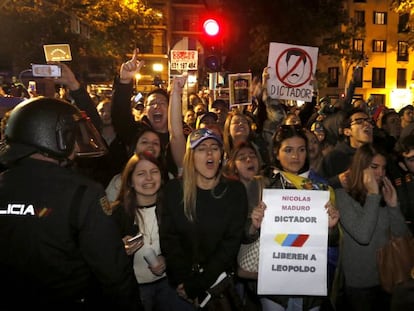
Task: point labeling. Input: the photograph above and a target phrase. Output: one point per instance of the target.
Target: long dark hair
(361, 160)
(285, 132)
(127, 196)
(161, 159)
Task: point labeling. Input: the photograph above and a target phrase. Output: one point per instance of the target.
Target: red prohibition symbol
(294, 67)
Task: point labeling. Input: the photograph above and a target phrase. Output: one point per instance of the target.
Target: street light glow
(157, 67)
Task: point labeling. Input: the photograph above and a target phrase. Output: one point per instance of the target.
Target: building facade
(386, 70)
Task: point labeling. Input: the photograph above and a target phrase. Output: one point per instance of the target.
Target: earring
(219, 161)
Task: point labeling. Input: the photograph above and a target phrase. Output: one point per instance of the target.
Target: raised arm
(122, 118)
(79, 94)
(175, 122)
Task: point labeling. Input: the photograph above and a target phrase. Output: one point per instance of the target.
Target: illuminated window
(358, 45)
(379, 46)
(380, 18)
(402, 53)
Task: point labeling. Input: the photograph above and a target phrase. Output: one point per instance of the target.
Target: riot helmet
(51, 127)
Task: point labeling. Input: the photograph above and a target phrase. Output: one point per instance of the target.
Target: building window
(359, 18)
(401, 78)
(358, 76)
(402, 53)
(378, 99)
(333, 76)
(358, 45)
(378, 77)
(403, 23)
(380, 18)
(379, 46)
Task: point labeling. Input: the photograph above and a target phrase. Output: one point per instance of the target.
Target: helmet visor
(88, 140)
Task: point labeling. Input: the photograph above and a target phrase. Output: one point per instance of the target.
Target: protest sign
(291, 71)
(57, 52)
(294, 243)
(240, 85)
(184, 60)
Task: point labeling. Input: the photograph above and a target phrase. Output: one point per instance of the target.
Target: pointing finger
(135, 55)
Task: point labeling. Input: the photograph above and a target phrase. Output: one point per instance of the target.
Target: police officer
(59, 249)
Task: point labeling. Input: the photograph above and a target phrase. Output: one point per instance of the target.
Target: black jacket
(58, 243)
(212, 241)
(336, 162)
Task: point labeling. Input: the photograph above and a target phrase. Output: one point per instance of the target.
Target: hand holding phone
(132, 244)
(46, 71)
(135, 238)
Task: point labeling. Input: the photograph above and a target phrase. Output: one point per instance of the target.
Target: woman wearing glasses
(202, 221)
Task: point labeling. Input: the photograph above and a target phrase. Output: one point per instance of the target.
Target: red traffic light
(211, 27)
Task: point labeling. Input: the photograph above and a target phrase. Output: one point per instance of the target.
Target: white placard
(291, 71)
(294, 243)
(184, 60)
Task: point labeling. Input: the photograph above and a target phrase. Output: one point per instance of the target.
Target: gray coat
(366, 229)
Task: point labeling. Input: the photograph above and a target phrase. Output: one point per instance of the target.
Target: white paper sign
(291, 68)
(294, 243)
(184, 60)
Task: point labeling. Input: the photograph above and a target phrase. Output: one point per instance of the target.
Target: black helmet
(51, 127)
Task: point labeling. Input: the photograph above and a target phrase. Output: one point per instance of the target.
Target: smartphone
(49, 71)
(135, 238)
(137, 97)
(32, 86)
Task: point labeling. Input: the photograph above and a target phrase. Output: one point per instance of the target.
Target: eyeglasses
(243, 158)
(360, 121)
(155, 102)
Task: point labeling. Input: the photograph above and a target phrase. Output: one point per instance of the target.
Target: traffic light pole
(212, 82)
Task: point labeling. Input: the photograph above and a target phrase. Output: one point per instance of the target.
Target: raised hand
(130, 68)
(67, 77)
(370, 182)
(389, 193)
(178, 83)
(333, 214)
(257, 217)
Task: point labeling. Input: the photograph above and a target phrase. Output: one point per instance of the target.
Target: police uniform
(57, 241)
(60, 249)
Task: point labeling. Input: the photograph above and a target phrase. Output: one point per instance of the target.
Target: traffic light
(211, 27)
(212, 44)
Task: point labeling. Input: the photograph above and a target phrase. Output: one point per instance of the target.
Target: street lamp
(157, 67)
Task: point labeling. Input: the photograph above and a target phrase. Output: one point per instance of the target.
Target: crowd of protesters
(181, 177)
